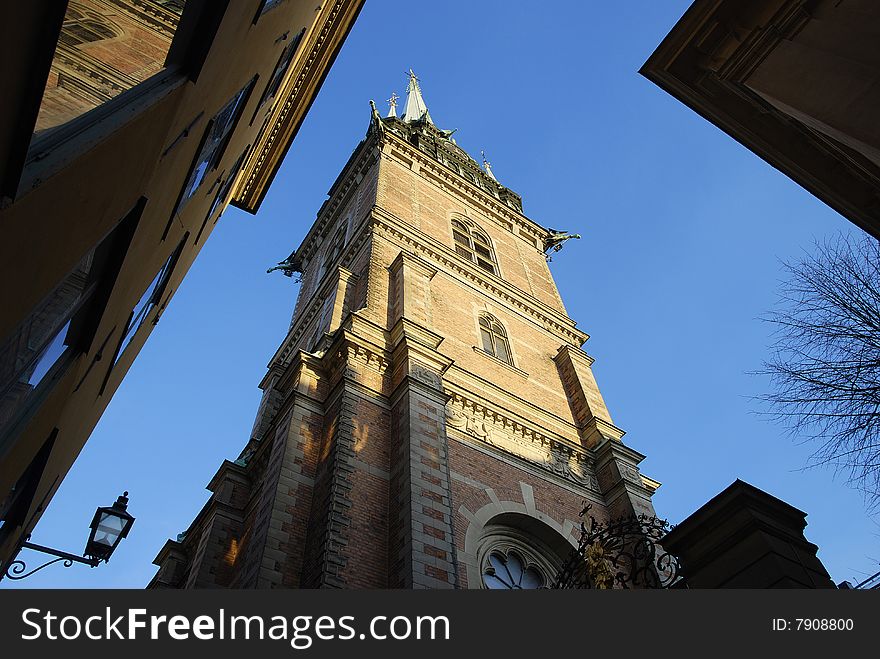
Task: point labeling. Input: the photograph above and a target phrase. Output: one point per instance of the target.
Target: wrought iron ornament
(14, 572)
(621, 553)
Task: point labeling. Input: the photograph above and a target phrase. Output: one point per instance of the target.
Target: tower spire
(488, 167)
(415, 108)
(392, 105)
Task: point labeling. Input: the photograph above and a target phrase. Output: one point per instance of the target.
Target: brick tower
(430, 420)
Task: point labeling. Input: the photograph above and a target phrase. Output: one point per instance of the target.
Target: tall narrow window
(223, 192)
(214, 143)
(323, 322)
(494, 338)
(333, 251)
(62, 325)
(473, 244)
(280, 71)
(338, 242)
(149, 300)
(266, 5)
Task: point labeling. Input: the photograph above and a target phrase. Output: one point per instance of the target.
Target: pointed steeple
(392, 105)
(488, 167)
(415, 108)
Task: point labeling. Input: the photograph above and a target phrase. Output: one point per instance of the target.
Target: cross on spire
(415, 108)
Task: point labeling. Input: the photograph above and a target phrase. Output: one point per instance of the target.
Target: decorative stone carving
(631, 474)
(506, 435)
(423, 374)
(455, 418)
(570, 465)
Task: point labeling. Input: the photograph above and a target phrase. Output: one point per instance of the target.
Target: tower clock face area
(429, 420)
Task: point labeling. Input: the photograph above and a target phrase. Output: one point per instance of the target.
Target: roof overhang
(322, 44)
(706, 62)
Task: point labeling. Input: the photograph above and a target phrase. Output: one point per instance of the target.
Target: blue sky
(683, 234)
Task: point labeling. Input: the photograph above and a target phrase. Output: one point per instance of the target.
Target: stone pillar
(329, 521)
(625, 491)
(410, 292)
(217, 546)
(420, 550)
(746, 538)
(421, 546)
(345, 285)
(275, 554)
(587, 405)
(172, 560)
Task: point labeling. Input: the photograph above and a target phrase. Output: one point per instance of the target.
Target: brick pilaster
(421, 544)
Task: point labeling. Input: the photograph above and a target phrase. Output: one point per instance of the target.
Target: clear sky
(683, 234)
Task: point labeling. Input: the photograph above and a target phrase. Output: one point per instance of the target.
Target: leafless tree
(825, 363)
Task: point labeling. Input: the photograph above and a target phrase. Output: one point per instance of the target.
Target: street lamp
(109, 525)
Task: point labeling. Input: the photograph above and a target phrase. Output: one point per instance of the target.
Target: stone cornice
(702, 62)
(520, 425)
(301, 360)
(226, 469)
(168, 549)
(322, 44)
(548, 318)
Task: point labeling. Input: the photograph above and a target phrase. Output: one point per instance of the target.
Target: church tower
(430, 420)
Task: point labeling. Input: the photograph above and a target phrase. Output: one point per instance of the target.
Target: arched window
(494, 338)
(474, 245)
(84, 26)
(510, 571)
(517, 553)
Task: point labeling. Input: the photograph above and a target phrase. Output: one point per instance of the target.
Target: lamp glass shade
(109, 526)
(109, 529)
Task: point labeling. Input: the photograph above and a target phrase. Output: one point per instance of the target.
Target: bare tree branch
(824, 367)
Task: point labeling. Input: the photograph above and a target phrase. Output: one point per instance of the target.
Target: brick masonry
(390, 450)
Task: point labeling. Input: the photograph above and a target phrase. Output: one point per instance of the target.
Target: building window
(16, 504)
(223, 192)
(473, 244)
(31, 352)
(517, 552)
(268, 5)
(214, 143)
(509, 571)
(323, 323)
(333, 251)
(280, 71)
(494, 338)
(149, 300)
(80, 28)
(103, 50)
(338, 243)
(62, 324)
